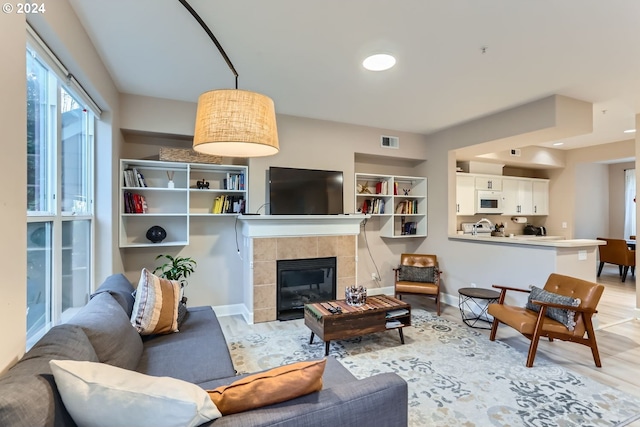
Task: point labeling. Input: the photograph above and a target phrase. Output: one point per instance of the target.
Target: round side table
(473, 304)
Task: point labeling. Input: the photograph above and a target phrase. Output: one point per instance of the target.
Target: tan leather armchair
(534, 325)
(617, 252)
(427, 284)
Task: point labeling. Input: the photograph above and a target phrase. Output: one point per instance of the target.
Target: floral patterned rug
(456, 376)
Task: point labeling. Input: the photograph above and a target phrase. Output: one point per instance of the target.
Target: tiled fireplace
(303, 237)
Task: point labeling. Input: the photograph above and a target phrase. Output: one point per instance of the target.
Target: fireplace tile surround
(266, 251)
(272, 238)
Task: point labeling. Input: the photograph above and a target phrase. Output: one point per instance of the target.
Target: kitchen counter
(549, 241)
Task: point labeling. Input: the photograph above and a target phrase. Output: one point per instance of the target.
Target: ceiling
(457, 60)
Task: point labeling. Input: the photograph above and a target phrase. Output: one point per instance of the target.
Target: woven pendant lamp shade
(235, 123)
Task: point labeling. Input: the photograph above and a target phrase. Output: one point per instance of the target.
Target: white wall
(13, 249)
(592, 201)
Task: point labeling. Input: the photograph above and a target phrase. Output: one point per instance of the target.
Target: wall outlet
(564, 224)
(374, 276)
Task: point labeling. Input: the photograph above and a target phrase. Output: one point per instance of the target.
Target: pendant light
(233, 122)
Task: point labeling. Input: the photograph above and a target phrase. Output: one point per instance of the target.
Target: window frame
(53, 211)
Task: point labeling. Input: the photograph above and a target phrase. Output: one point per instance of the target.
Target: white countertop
(550, 241)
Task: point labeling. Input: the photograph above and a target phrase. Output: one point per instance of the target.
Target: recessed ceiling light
(379, 62)
(556, 144)
(629, 131)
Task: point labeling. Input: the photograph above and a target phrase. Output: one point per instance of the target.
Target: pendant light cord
(213, 38)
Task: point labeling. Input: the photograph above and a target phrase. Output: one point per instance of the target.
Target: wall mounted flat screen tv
(305, 191)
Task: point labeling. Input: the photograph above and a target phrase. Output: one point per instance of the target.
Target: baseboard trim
(232, 310)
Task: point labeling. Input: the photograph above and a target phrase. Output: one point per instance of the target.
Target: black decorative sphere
(156, 234)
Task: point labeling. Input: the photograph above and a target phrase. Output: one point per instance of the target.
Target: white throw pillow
(101, 395)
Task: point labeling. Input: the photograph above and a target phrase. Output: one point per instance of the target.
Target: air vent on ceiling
(515, 152)
(389, 141)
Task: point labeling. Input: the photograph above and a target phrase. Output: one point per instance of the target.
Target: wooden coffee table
(380, 313)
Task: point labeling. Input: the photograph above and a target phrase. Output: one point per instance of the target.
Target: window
(60, 162)
(629, 203)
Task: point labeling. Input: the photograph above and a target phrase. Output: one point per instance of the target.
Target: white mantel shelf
(300, 225)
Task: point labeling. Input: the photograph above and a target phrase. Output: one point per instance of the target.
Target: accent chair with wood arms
(418, 274)
(617, 252)
(534, 325)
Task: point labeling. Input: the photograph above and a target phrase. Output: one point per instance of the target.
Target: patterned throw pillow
(417, 274)
(564, 316)
(155, 310)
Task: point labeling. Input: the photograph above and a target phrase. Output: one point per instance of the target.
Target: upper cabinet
(466, 195)
(540, 197)
(168, 194)
(488, 182)
(399, 201)
(517, 196)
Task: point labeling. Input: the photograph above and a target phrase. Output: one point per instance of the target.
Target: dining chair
(616, 251)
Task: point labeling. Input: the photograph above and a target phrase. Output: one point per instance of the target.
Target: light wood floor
(618, 336)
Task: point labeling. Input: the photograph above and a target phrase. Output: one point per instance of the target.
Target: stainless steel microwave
(488, 202)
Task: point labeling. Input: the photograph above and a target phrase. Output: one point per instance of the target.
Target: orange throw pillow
(266, 388)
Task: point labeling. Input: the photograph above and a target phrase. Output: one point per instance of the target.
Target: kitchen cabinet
(399, 201)
(488, 182)
(525, 196)
(517, 196)
(169, 194)
(540, 197)
(465, 194)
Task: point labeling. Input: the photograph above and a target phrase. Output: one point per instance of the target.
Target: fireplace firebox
(303, 281)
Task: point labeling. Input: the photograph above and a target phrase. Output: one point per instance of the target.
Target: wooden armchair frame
(547, 327)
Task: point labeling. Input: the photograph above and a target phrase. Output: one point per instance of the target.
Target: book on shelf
(393, 324)
(382, 187)
(134, 203)
(133, 178)
(407, 207)
(396, 313)
(234, 181)
(228, 204)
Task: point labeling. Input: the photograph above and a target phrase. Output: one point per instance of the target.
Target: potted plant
(176, 268)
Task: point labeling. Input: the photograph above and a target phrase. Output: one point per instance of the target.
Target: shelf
(172, 208)
(393, 222)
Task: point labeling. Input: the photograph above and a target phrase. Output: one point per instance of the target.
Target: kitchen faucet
(475, 226)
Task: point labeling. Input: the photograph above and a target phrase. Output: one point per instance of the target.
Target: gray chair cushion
(121, 290)
(110, 331)
(28, 394)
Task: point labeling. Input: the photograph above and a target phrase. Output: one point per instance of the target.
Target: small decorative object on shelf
(170, 184)
(156, 234)
(202, 185)
(356, 296)
(364, 188)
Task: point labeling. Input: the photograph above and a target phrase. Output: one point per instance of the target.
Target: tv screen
(305, 191)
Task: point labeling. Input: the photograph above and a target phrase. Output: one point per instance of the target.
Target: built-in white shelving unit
(168, 194)
(399, 201)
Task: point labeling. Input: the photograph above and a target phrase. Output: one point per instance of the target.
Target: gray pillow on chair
(410, 273)
(564, 316)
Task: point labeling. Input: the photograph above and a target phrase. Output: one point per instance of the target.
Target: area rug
(456, 376)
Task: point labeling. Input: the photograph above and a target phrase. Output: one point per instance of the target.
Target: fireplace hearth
(303, 281)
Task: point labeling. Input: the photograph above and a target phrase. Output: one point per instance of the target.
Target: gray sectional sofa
(101, 332)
